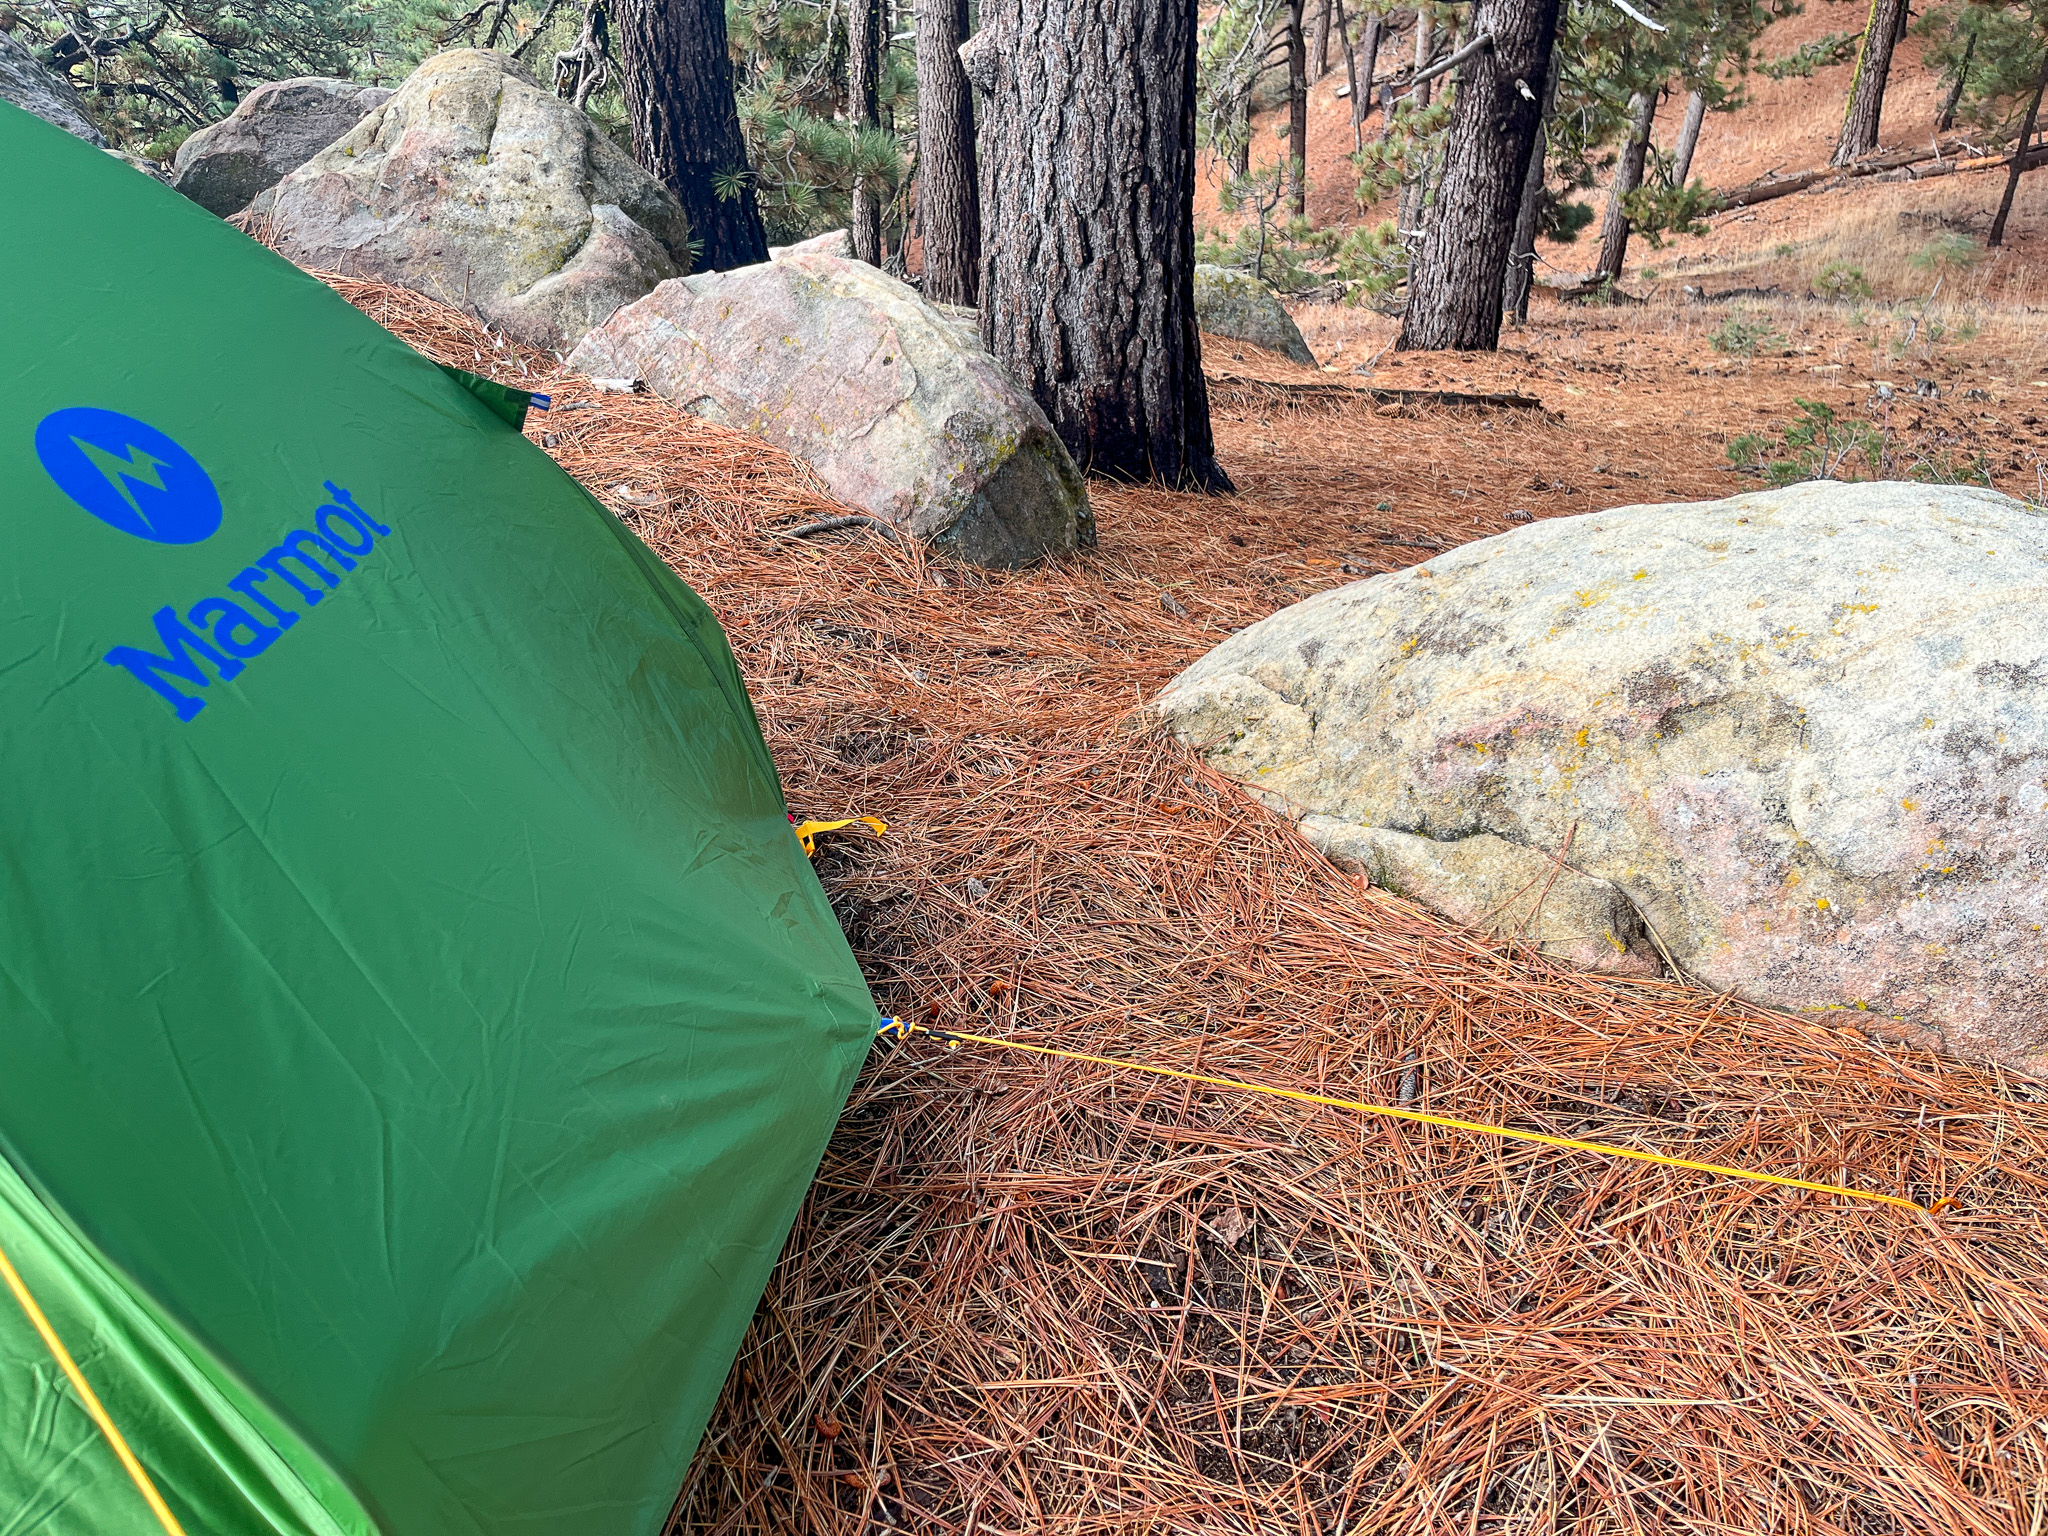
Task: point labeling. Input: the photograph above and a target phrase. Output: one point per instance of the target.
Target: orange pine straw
(902, 1028)
(1085, 1303)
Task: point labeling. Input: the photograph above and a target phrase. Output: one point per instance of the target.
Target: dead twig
(834, 524)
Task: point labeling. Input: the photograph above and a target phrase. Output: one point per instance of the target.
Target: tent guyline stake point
(93, 1406)
(807, 831)
(903, 1029)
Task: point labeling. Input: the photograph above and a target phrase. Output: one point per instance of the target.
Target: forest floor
(1871, 300)
(1636, 403)
(1042, 1297)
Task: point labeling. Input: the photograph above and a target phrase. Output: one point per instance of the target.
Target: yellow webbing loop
(898, 1029)
(807, 831)
(93, 1407)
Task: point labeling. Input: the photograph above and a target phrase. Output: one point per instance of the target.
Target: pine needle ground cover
(1039, 1297)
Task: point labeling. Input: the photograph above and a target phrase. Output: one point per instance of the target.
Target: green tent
(418, 1024)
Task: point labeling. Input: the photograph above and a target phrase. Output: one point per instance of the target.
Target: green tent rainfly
(418, 1025)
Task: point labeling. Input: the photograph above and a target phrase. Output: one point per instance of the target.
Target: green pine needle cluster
(150, 72)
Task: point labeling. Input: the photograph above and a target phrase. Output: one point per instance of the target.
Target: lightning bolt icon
(139, 466)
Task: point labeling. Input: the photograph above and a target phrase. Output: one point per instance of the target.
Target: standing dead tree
(586, 68)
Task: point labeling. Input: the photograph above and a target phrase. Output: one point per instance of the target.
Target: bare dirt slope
(1782, 126)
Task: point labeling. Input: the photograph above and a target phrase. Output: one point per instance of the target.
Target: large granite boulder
(856, 375)
(1236, 304)
(1803, 732)
(273, 131)
(30, 85)
(476, 185)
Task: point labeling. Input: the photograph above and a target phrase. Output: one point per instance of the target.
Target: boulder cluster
(476, 185)
(1791, 745)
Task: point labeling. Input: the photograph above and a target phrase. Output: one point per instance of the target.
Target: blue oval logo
(128, 475)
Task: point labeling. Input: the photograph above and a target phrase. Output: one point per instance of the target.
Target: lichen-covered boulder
(853, 373)
(1803, 732)
(25, 81)
(474, 184)
(275, 129)
(1236, 304)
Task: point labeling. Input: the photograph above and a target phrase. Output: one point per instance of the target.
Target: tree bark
(864, 110)
(1866, 91)
(1628, 175)
(1425, 44)
(2019, 159)
(948, 201)
(1350, 76)
(1319, 43)
(1454, 287)
(1521, 274)
(677, 79)
(1361, 79)
(1088, 197)
(1297, 113)
(1954, 99)
(1415, 178)
(1688, 137)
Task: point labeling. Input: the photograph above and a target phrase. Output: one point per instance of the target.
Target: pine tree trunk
(1688, 138)
(1350, 76)
(1425, 45)
(1319, 43)
(1454, 287)
(1866, 92)
(1297, 113)
(1628, 175)
(1088, 229)
(1361, 89)
(1947, 119)
(1521, 275)
(863, 108)
(2019, 159)
(1415, 178)
(677, 80)
(948, 201)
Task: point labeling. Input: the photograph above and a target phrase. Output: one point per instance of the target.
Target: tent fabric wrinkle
(420, 1022)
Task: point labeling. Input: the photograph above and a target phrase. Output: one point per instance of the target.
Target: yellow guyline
(155, 1500)
(903, 1029)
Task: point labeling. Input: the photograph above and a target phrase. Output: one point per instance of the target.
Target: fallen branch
(1587, 287)
(1238, 384)
(1764, 191)
(834, 524)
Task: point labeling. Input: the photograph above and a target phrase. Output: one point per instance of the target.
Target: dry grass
(1034, 1297)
